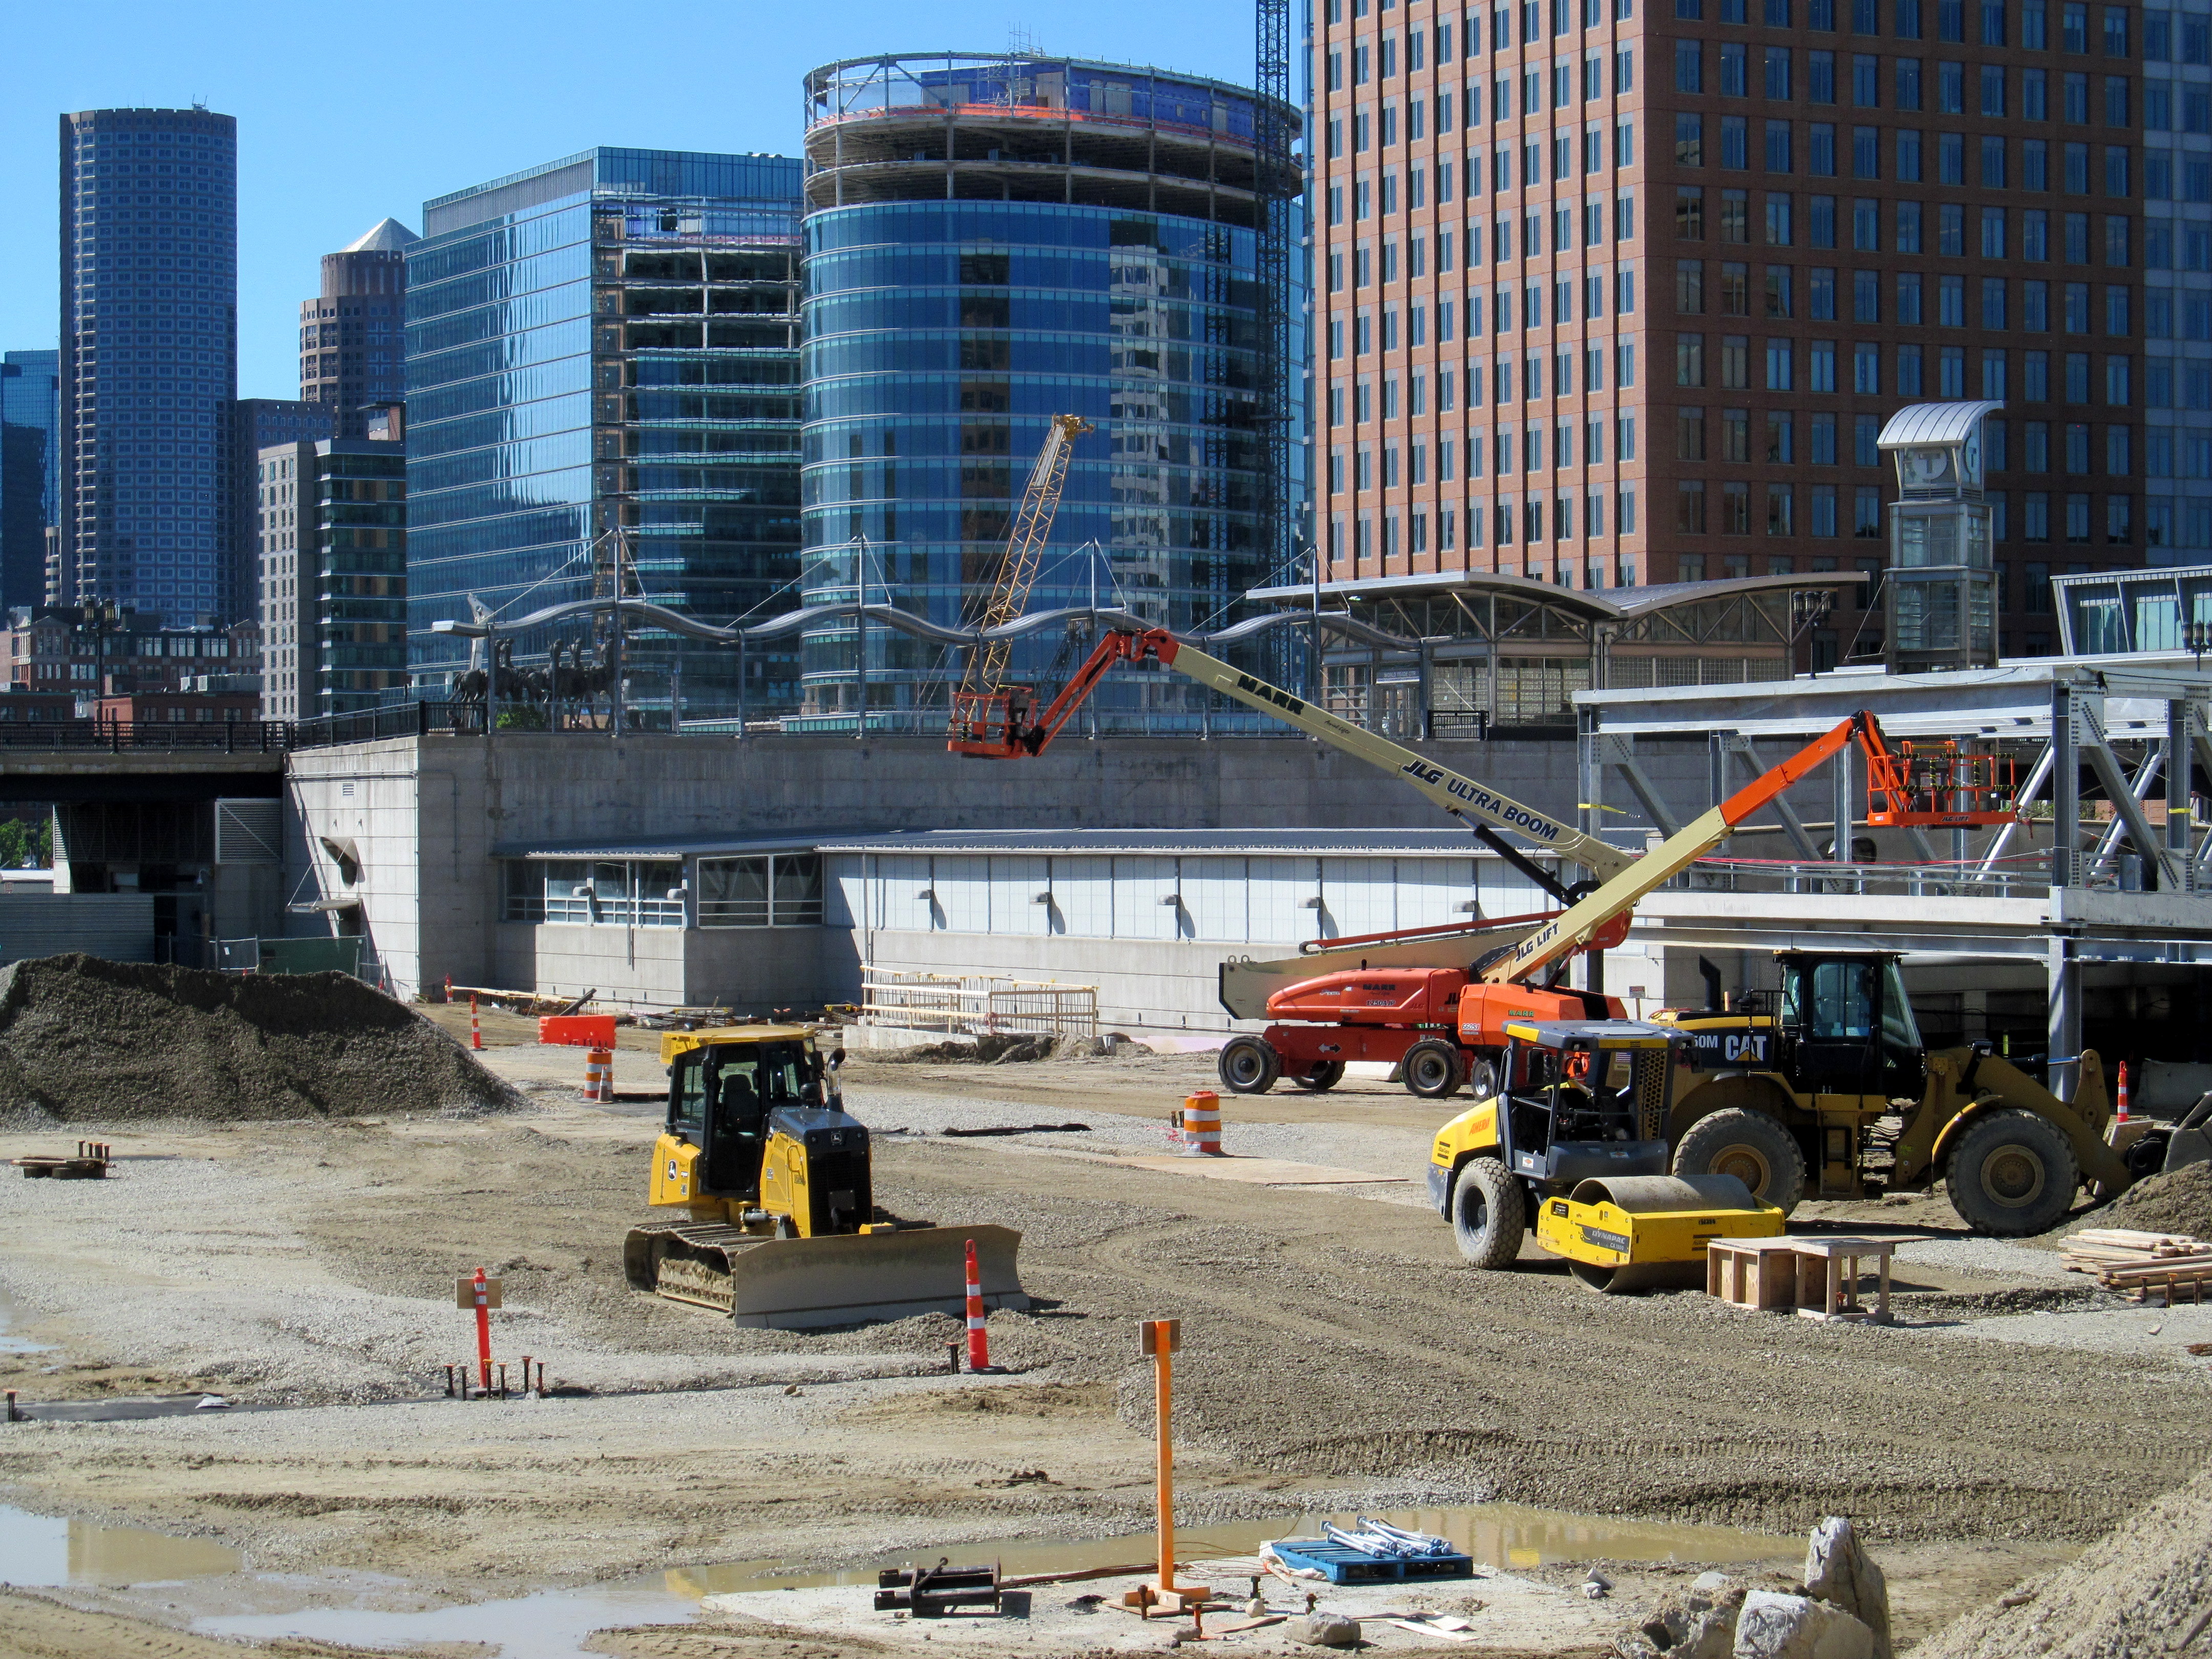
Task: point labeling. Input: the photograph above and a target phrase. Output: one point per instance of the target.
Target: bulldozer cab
(722, 1087)
(1585, 1098)
(1847, 1026)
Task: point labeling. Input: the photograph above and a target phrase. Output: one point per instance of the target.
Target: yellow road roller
(1575, 1140)
(783, 1229)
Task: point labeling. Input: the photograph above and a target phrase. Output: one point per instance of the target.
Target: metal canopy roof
(1932, 423)
(700, 845)
(1594, 605)
(1348, 844)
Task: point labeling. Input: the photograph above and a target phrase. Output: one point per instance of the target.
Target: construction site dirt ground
(1338, 1356)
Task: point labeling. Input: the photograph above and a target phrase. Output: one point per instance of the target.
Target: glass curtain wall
(603, 366)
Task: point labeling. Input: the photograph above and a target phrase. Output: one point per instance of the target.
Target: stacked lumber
(2140, 1263)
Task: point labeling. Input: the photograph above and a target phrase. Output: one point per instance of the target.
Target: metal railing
(402, 719)
(118, 737)
(976, 1005)
(2026, 877)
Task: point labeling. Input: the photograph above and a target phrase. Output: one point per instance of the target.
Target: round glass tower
(991, 241)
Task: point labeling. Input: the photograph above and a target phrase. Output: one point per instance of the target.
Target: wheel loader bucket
(804, 1284)
(2186, 1147)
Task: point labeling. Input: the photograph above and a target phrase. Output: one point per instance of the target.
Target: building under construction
(995, 239)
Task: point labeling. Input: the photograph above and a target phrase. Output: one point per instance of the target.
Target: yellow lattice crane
(987, 668)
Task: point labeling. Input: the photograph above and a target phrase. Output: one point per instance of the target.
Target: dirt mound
(2142, 1589)
(86, 1040)
(2177, 1203)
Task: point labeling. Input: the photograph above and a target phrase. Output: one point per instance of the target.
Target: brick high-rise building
(1609, 295)
(352, 354)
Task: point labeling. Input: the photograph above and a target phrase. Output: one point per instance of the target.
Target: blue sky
(350, 113)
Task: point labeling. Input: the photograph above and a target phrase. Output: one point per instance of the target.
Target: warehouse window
(781, 891)
(589, 892)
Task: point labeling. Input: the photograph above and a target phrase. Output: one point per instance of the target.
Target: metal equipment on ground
(783, 1229)
(1575, 1140)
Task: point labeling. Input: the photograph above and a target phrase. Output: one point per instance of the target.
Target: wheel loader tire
(1433, 1070)
(2012, 1174)
(1490, 1214)
(1248, 1065)
(1750, 1146)
(1325, 1075)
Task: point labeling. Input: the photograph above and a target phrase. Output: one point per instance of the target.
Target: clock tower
(1940, 597)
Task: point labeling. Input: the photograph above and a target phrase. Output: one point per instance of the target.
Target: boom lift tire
(1248, 1065)
(1490, 1214)
(1750, 1146)
(1433, 1070)
(2012, 1174)
(1325, 1075)
(1482, 1076)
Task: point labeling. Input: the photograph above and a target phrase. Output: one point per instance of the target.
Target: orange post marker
(979, 1335)
(1161, 1338)
(483, 1329)
(475, 1031)
(2121, 1114)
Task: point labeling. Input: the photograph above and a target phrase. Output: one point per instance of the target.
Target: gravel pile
(2145, 1589)
(2177, 1203)
(85, 1040)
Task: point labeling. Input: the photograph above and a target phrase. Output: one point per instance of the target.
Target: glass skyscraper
(2177, 301)
(992, 240)
(149, 358)
(30, 471)
(603, 362)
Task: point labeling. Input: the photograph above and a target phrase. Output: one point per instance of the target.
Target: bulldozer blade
(2187, 1146)
(804, 1284)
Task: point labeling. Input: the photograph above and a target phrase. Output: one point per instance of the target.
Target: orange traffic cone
(2121, 1116)
(476, 1031)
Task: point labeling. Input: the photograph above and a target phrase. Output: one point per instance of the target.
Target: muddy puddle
(46, 1550)
(554, 1624)
(9, 1341)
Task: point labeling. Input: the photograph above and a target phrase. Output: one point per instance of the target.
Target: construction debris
(90, 1163)
(2139, 1264)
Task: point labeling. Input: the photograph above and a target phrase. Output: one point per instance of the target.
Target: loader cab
(1585, 1098)
(723, 1087)
(1848, 1027)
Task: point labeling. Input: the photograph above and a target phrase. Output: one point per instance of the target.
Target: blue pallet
(1342, 1565)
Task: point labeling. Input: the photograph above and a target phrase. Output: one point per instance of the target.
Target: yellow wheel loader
(1575, 1142)
(783, 1230)
(1824, 1090)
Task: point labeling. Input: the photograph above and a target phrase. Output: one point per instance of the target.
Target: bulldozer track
(696, 1271)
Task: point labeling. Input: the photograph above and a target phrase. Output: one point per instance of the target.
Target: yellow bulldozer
(783, 1229)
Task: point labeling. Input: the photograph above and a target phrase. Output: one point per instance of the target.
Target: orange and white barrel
(1202, 1125)
(599, 1074)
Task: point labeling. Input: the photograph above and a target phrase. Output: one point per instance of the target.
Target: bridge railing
(118, 737)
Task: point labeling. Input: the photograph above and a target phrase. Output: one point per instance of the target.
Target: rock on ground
(1697, 1623)
(86, 1040)
(1324, 1629)
(1797, 1627)
(1838, 1571)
